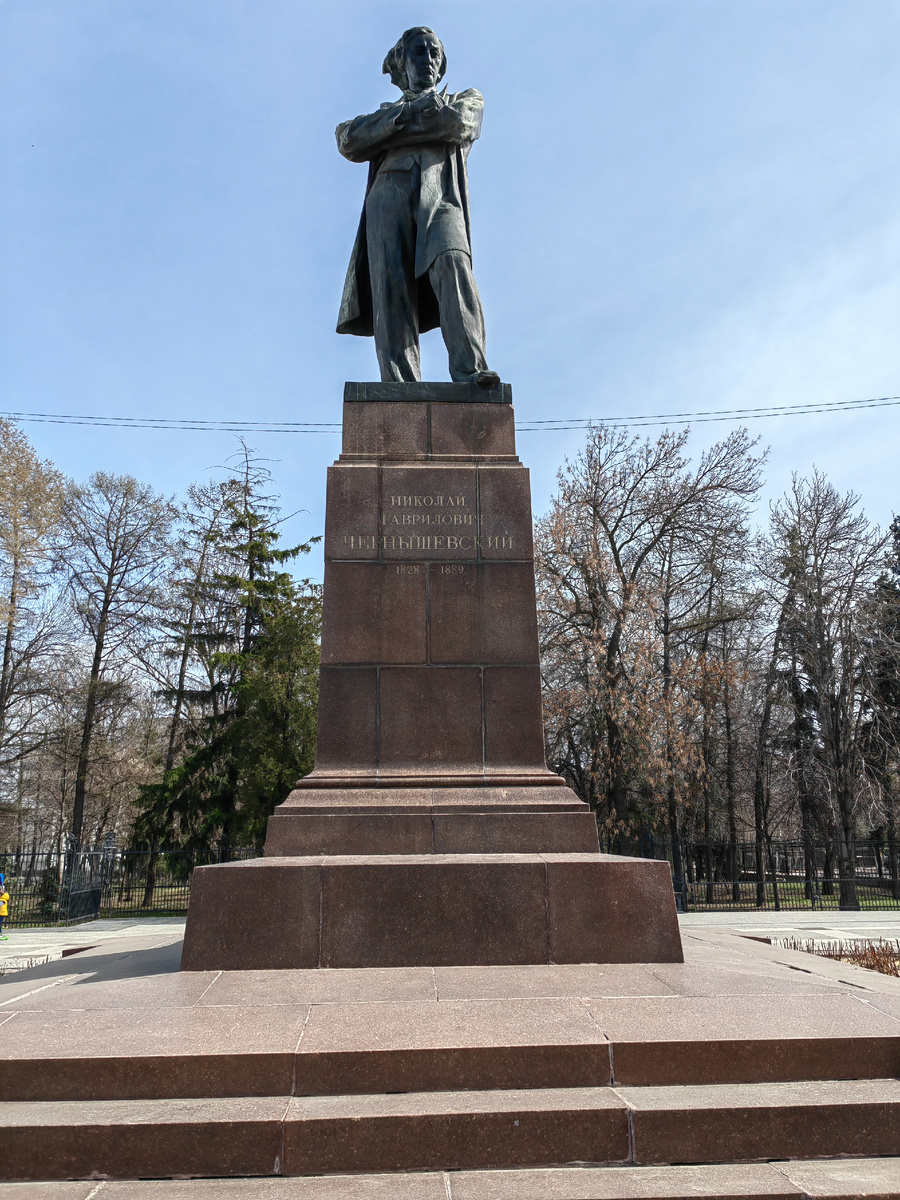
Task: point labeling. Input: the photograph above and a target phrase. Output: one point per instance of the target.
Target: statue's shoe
(487, 379)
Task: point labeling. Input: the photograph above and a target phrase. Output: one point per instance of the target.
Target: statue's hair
(395, 62)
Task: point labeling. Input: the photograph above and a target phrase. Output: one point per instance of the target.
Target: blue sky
(677, 205)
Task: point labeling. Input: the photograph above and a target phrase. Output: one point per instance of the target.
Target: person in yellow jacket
(4, 908)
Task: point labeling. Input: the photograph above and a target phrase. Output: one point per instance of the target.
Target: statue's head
(417, 62)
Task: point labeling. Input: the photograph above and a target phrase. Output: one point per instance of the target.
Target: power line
(177, 424)
(547, 426)
(724, 414)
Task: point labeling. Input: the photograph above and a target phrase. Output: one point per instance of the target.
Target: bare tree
(117, 555)
(824, 558)
(623, 559)
(31, 492)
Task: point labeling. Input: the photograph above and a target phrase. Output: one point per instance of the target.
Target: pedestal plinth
(430, 778)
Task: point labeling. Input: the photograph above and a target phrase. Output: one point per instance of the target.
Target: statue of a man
(411, 267)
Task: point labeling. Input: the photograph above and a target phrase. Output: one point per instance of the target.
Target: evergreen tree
(254, 632)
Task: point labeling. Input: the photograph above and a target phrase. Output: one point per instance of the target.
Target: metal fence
(69, 886)
(716, 877)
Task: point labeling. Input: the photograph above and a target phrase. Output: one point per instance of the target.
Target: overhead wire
(551, 425)
(723, 414)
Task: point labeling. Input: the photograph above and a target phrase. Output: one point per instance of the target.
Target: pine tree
(254, 633)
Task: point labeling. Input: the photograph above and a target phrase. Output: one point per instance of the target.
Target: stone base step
(836, 1179)
(297, 830)
(449, 1131)
(313, 1033)
(430, 910)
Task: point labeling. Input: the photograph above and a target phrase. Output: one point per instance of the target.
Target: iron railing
(794, 875)
(73, 885)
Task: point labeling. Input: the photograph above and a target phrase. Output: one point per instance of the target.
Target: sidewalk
(31, 947)
(816, 926)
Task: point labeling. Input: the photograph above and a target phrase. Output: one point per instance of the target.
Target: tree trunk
(893, 863)
(773, 870)
(90, 710)
(828, 870)
(731, 869)
(847, 868)
(6, 670)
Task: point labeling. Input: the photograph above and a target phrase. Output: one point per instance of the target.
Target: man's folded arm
(457, 120)
(367, 136)
(466, 110)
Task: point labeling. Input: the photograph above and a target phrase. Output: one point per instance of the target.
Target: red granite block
(429, 512)
(346, 736)
(253, 915)
(130, 1139)
(482, 613)
(296, 989)
(515, 833)
(472, 429)
(453, 1130)
(352, 512)
(375, 613)
(729, 1123)
(513, 718)
(548, 980)
(505, 513)
(352, 1049)
(429, 718)
(863, 1179)
(748, 1038)
(386, 430)
(742, 1181)
(292, 833)
(631, 916)
(447, 910)
(121, 1054)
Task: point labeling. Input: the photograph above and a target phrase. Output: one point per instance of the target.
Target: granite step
(836, 1179)
(247, 1034)
(449, 1131)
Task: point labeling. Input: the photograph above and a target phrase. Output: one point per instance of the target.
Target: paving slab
(695, 979)
(88, 1190)
(726, 947)
(555, 980)
(454, 1130)
(819, 924)
(837, 1179)
(51, 943)
(744, 1180)
(90, 993)
(133, 961)
(321, 986)
(743, 1122)
(874, 1178)
(417, 1186)
(451, 1044)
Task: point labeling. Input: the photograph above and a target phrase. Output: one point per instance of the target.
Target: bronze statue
(411, 267)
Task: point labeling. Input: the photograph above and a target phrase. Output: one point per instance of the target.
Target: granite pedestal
(431, 831)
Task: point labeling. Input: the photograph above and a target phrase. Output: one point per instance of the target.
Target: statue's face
(423, 62)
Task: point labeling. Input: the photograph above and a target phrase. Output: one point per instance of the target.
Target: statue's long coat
(442, 216)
